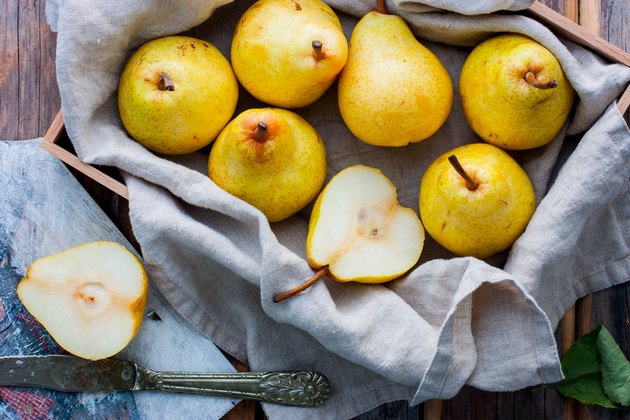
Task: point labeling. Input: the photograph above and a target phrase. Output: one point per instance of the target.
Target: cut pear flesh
(90, 298)
(360, 231)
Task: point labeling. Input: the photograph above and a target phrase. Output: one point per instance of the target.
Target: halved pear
(359, 232)
(90, 298)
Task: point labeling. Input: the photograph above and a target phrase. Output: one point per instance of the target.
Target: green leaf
(615, 368)
(583, 356)
(587, 389)
(581, 366)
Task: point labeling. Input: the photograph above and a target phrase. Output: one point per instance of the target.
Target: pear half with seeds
(359, 232)
(90, 298)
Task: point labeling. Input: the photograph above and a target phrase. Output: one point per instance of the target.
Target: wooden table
(29, 100)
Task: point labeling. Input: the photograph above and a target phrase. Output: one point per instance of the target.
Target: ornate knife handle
(301, 389)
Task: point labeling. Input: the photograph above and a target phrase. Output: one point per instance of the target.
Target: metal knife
(73, 374)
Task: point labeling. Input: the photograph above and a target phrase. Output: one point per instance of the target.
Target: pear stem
(260, 132)
(308, 283)
(471, 184)
(381, 7)
(532, 80)
(165, 82)
(317, 49)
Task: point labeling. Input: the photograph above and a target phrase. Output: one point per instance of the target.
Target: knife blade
(73, 374)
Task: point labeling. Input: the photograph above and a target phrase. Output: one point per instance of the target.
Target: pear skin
(514, 92)
(287, 53)
(271, 158)
(393, 91)
(480, 211)
(176, 94)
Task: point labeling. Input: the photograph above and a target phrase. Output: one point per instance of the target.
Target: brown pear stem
(532, 80)
(261, 133)
(308, 283)
(381, 7)
(317, 49)
(471, 184)
(165, 82)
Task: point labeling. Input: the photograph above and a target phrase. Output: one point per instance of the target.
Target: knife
(73, 374)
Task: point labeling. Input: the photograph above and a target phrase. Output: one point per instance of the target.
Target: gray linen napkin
(450, 321)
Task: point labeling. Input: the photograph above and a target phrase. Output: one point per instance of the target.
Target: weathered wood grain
(28, 63)
(49, 100)
(9, 73)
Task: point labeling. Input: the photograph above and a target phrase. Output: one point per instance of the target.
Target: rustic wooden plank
(28, 68)
(460, 406)
(432, 410)
(589, 15)
(557, 5)
(55, 129)
(576, 33)
(484, 404)
(505, 405)
(614, 20)
(9, 74)
(394, 410)
(49, 98)
(570, 9)
(624, 101)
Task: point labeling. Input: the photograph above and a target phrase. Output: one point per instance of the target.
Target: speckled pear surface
(275, 55)
(279, 172)
(501, 105)
(186, 111)
(478, 222)
(393, 91)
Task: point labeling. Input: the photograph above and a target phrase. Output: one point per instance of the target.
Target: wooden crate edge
(576, 33)
(49, 143)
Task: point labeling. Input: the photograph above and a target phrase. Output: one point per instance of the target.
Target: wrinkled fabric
(448, 322)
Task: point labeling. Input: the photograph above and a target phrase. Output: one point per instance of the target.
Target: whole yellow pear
(393, 91)
(287, 53)
(480, 208)
(176, 94)
(272, 158)
(514, 92)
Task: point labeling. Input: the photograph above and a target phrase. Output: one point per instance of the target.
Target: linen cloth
(450, 321)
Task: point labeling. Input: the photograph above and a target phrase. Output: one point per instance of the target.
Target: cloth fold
(450, 321)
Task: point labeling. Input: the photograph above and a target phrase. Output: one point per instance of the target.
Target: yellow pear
(393, 91)
(514, 92)
(359, 232)
(176, 94)
(476, 200)
(90, 298)
(271, 158)
(288, 52)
